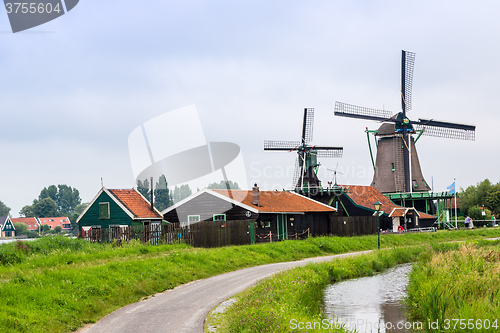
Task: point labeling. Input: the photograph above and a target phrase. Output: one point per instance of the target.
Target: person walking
(467, 222)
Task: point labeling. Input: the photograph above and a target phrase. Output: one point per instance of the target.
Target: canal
(370, 304)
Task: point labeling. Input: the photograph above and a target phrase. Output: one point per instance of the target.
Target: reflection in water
(370, 304)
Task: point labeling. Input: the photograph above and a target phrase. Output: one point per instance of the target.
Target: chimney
(255, 195)
(151, 189)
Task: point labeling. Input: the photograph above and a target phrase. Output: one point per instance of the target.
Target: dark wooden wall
(353, 225)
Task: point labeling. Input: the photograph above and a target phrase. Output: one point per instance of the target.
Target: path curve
(184, 308)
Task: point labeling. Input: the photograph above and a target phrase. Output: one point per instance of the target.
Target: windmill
(396, 145)
(306, 165)
(335, 174)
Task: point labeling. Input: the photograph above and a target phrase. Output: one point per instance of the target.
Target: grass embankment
(57, 284)
(457, 291)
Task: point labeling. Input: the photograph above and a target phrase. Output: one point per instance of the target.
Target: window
(51, 220)
(265, 224)
(103, 210)
(193, 218)
(219, 217)
(66, 226)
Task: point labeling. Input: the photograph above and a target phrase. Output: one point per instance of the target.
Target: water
(370, 304)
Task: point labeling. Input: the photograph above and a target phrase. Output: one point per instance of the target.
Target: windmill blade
(307, 125)
(445, 129)
(298, 173)
(353, 111)
(407, 64)
(328, 151)
(281, 145)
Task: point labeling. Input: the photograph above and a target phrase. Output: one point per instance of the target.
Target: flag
(451, 188)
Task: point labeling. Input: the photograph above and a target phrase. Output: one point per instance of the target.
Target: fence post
(307, 232)
(270, 237)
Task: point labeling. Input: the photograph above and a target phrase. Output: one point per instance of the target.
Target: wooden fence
(222, 233)
(353, 225)
(201, 234)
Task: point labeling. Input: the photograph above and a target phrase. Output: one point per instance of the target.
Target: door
(282, 227)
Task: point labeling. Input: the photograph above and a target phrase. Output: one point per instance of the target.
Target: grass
(57, 284)
(458, 291)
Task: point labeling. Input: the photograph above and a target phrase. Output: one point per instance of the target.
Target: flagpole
(456, 222)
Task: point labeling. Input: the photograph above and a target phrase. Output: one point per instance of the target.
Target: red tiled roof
(31, 222)
(277, 201)
(366, 196)
(135, 203)
(53, 222)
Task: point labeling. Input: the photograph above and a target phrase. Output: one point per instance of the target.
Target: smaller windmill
(306, 166)
(335, 174)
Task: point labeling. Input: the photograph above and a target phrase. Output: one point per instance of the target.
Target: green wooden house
(7, 227)
(117, 208)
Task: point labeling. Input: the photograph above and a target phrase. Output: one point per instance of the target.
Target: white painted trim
(90, 205)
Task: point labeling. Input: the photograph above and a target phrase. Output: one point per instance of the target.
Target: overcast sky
(72, 90)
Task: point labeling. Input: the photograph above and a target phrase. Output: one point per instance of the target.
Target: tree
(68, 199)
(143, 187)
(48, 192)
(27, 211)
(77, 212)
(45, 208)
(21, 228)
(4, 210)
(181, 192)
(223, 185)
(482, 194)
(65, 197)
(58, 229)
(162, 197)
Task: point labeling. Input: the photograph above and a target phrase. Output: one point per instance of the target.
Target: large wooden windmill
(305, 174)
(396, 150)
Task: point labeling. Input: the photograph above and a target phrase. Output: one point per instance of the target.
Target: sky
(73, 90)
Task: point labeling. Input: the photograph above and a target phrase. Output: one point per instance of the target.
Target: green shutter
(103, 210)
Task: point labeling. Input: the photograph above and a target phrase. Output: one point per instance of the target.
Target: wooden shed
(280, 213)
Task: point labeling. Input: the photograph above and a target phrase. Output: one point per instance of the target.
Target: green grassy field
(457, 291)
(56, 284)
